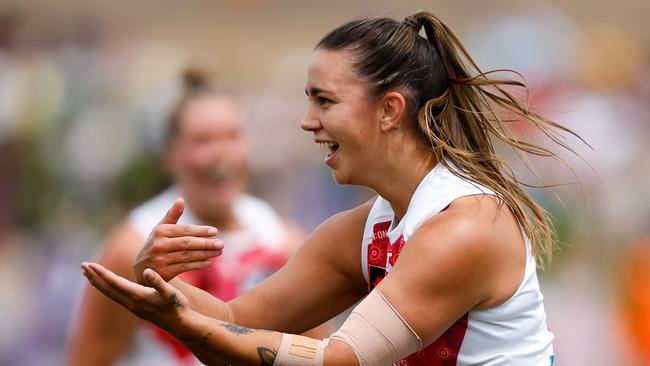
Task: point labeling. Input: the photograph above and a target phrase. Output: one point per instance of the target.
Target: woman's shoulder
(482, 238)
(478, 219)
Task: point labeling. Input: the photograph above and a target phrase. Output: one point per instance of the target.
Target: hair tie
(412, 23)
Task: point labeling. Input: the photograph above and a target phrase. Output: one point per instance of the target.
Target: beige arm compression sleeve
(297, 350)
(377, 333)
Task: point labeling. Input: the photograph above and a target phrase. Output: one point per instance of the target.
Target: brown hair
(196, 83)
(457, 113)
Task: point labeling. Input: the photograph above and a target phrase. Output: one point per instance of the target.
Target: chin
(341, 177)
(211, 208)
(222, 199)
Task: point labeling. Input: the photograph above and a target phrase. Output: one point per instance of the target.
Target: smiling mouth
(331, 147)
(220, 173)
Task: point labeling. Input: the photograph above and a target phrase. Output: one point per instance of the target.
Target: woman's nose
(310, 122)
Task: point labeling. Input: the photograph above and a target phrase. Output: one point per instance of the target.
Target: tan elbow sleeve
(297, 350)
(377, 333)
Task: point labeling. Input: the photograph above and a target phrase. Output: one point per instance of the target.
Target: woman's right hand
(173, 248)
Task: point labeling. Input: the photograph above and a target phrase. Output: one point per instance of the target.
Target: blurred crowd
(83, 102)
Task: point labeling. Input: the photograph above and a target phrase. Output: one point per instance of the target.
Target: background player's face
(209, 156)
(342, 114)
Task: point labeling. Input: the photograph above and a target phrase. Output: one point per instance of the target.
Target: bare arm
(295, 237)
(104, 329)
(470, 256)
(322, 279)
(213, 341)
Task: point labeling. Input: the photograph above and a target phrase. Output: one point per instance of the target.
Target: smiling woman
(338, 98)
(443, 259)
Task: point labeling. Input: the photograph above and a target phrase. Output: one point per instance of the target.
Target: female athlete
(443, 259)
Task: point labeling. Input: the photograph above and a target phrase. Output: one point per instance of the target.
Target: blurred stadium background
(85, 88)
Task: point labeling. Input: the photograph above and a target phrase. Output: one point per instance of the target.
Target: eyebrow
(315, 91)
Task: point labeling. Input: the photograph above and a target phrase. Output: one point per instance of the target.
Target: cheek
(194, 158)
(360, 122)
(231, 152)
(358, 137)
(241, 155)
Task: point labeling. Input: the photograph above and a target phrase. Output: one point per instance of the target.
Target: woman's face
(209, 156)
(342, 116)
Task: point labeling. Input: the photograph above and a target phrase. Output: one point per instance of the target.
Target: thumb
(157, 282)
(174, 213)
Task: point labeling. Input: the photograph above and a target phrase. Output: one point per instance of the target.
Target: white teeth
(329, 145)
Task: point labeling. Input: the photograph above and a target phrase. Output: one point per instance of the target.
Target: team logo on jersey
(378, 254)
(382, 254)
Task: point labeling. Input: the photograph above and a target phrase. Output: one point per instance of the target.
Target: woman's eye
(319, 100)
(322, 100)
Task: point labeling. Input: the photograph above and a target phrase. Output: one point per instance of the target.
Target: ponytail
(458, 109)
(195, 83)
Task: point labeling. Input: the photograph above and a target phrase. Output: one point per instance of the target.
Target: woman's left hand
(161, 304)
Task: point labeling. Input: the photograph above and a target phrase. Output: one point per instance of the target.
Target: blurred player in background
(206, 154)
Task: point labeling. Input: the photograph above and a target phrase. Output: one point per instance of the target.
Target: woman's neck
(225, 224)
(223, 218)
(401, 176)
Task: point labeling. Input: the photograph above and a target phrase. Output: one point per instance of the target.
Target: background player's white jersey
(250, 255)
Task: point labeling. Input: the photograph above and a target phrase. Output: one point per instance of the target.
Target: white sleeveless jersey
(513, 334)
(250, 255)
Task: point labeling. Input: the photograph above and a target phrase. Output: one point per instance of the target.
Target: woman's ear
(393, 109)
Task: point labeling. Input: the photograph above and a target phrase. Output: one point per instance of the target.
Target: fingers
(191, 256)
(113, 286)
(174, 270)
(150, 303)
(185, 243)
(98, 283)
(168, 292)
(174, 213)
(179, 230)
(155, 281)
(172, 264)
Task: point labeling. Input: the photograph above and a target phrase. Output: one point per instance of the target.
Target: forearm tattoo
(204, 340)
(173, 300)
(237, 329)
(267, 356)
